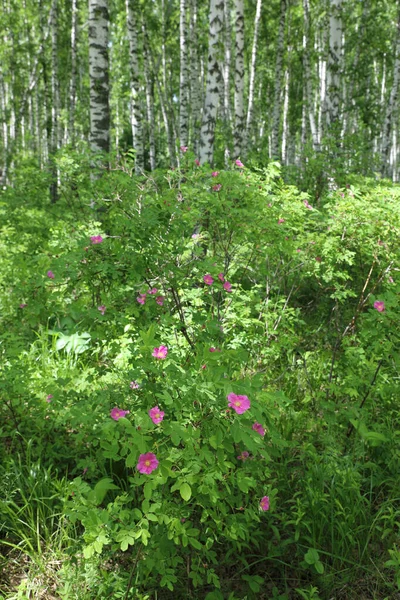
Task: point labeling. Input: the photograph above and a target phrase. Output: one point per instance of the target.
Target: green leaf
(185, 491)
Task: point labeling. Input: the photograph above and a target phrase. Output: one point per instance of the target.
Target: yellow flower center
(157, 415)
(237, 403)
(147, 463)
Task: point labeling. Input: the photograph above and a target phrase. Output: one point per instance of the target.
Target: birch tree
(55, 96)
(308, 88)
(391, 108)
(252, 76)
(99, 77)
(184, 84)
(72, 90)
(239, 129)
(132, 17)
(276, 114)
(334, 63)
(213, 83)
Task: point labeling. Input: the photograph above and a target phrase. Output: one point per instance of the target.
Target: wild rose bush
(180, 355)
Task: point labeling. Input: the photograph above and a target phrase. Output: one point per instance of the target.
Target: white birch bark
(391, 108)
(213, 83)
(227, 80)
(132, 18)
(195, 91)
(99, 77)
(285, 129)
(334, 63)
(149, 101)
(276, 114)
(240, 123)
(252, 76)
(309, 105)
(72, 89)
(183, 76)
(55, 104)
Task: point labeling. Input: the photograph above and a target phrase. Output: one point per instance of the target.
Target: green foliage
(297, 334)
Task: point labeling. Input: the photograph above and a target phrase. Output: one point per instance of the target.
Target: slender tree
(72, 90)
(184, 85)
(132, 16)
(99, 77)
(240, 122)
(308, 86)
(334, 63)
(252, 76)
(276, 114)
(391, 108)
(213, 82)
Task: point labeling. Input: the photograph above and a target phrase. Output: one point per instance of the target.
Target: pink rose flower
(216, 187)
(227, 286)
(96, 239)
(280, 221)
(160, 300)
(134, 385)
(118, 413)
(259, 428)
(208, 280)
(102, 309)
(264, 504)
(50, 274)
(243, 456)
(215, 174)
(160, 352)
(239, 403)
(197, 162)
(156, 415)
(141, 298)
(212, 349)
(379, 305)
(221, 277)
(239, 163)
(147, 463)
(152, 291)
(183, 149)
(49, 398)
(308, 205)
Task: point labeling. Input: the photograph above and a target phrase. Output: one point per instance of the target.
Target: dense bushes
(245, 314)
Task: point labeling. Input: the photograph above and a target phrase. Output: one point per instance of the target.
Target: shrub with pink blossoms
(208, 280)
(160, 300)
(227, 286)
(96, 239)
(264, 503)
(118, 413)
(102, 309)
(160, 352)
(156, 415)
(50, 274)
(259, 428)
(147, 463)
(141, 298)
(379, 305)
(239, 403)
(239, 163)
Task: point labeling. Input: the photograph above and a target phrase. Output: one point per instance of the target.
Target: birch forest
(199, 299)
(228, 79)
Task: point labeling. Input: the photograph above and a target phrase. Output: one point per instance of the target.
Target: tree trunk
(252, 77)
(183, 77)
(239, 80)
(149, 101)
(195, 91)
(276, 114)
(55, 97)
(307, 76)
(72, 92)
(213, 83)
(334, 63)
(132, 17)
(99, 136)
(391, 108)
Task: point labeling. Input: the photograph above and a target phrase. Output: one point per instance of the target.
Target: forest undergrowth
(199, 386)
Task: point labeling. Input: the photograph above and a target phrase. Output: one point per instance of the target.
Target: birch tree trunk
(307, 76)
(195, 92)
(213, 83)
(391, 108)
(149, 101)
(334, 63)
(239, 80)
(276, 114)
(99, 136)
(252, 76)
(285, 131)
(55, 96)
(132, 12)
(72, 92)
(227, 79)
(183, 77)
